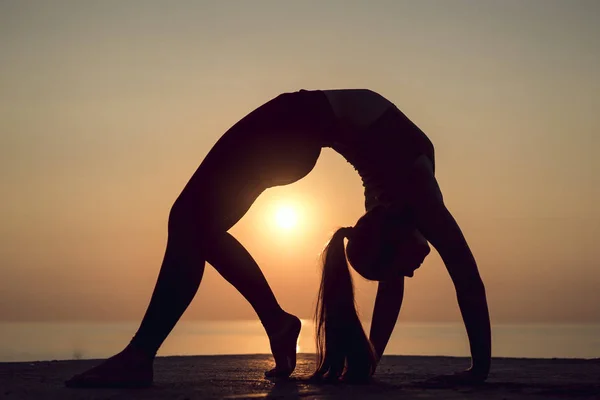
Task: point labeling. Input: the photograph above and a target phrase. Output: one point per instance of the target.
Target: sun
(286, 217)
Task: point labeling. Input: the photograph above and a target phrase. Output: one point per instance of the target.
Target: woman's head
(385, 243)
(382, 244)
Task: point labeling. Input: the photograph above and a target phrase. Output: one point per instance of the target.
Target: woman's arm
(449, 241)
(439, 227)
(385, 313)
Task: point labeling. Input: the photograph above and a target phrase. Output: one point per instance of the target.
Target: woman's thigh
(274, 145)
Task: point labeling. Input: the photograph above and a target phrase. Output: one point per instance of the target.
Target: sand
(241, 377)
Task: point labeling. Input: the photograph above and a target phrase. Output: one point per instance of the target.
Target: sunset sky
(108, 107)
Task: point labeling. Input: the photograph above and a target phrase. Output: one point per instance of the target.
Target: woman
(278, 144)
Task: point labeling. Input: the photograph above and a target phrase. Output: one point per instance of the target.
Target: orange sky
(107, 108)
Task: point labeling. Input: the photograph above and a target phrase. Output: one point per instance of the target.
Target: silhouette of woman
(278, 144)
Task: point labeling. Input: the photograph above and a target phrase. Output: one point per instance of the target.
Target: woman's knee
(184, 218)
(195, 223)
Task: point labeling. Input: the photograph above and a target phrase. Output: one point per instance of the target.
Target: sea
(42, 341)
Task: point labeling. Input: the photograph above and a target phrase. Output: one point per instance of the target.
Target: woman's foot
(131, 368)
(283, 346)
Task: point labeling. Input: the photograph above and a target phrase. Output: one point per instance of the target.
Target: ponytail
(343, 349)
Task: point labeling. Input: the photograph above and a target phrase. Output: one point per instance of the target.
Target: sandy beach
(241, 377)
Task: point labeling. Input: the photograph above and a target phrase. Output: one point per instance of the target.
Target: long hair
(343, 349)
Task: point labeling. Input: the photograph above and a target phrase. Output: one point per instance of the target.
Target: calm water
(59, 341)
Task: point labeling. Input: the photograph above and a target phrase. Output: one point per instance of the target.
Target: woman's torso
(378, 140)
(279, 143)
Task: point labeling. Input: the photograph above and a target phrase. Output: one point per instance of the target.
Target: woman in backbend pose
(278, 144)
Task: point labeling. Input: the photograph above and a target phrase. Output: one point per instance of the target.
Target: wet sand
(241, 377)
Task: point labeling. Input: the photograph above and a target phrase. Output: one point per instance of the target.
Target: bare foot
(129, 369)
(283, 346)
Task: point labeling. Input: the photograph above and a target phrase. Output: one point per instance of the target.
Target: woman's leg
(180, 276)
(190, 244)
(193, 239)
(216, 197)
(238, 267)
